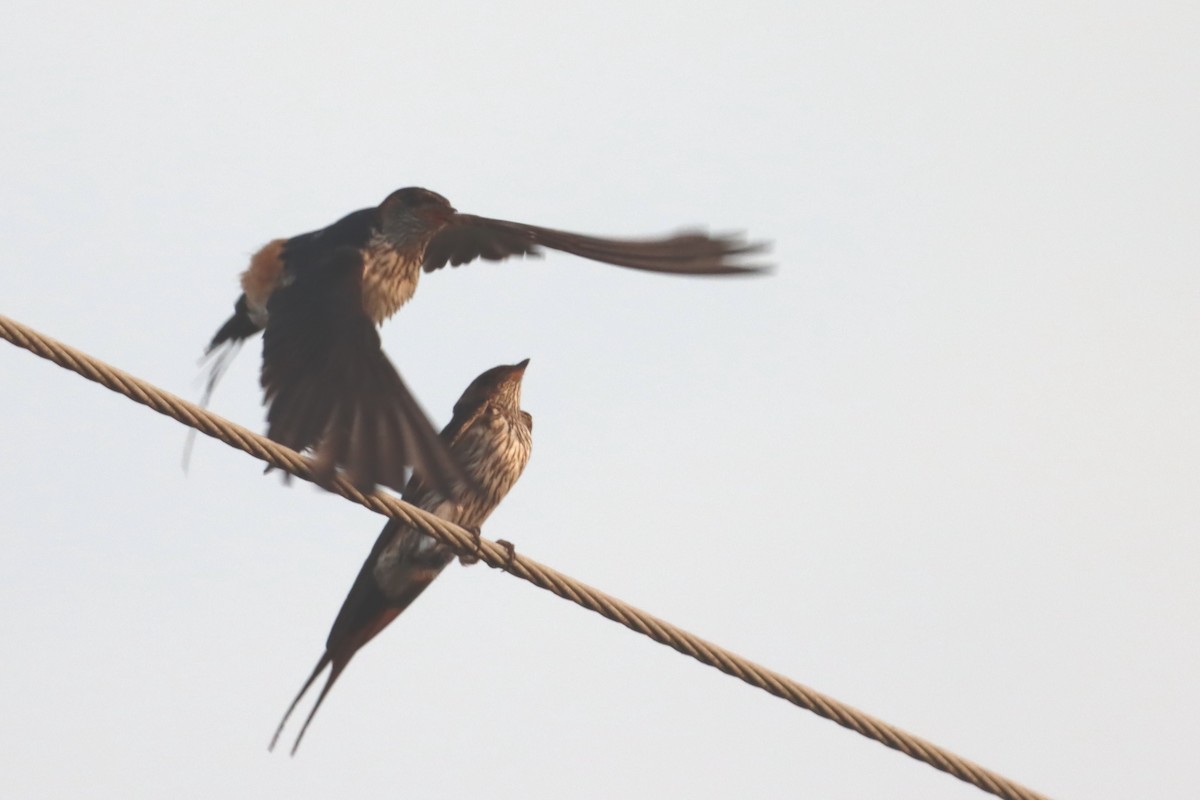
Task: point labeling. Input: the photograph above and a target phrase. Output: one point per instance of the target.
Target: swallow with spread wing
(491, 437)
(319, 297)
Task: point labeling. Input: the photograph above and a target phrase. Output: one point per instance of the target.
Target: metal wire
(526, 568)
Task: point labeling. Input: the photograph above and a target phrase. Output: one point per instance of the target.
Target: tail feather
(226, 342)
(324, 660)
(219, 355)
(237, 328)
(334, 672)
(364, 614)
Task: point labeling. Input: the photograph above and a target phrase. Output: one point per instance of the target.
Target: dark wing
(367, 609)
(468, 237)
(329, 386)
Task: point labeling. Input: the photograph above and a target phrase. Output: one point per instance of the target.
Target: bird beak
(520, 368)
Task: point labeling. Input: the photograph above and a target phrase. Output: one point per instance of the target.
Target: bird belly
(389, 281)
(494, 453)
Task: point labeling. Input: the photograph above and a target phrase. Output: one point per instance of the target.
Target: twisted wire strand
(526, 568)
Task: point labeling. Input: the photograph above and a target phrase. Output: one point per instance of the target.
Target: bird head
(414, 210)
(498, 388)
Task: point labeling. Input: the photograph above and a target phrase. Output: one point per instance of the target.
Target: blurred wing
(468, 237)
(417, 490)
(329, 386)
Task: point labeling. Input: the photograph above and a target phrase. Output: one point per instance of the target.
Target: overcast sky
(943, 465)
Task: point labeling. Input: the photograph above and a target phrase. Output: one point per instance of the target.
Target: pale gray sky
(943, 465)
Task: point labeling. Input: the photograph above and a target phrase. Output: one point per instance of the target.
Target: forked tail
(219, 355)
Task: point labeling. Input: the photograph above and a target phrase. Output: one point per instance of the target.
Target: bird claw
(467, 560)
(510, 549)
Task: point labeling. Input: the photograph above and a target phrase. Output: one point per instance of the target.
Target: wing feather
(329, 386)
(467, 237)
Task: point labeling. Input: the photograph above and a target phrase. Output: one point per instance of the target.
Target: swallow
(491, 437)
(318, 298)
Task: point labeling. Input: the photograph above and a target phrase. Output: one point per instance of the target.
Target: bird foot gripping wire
(477, 536)
(510, 549)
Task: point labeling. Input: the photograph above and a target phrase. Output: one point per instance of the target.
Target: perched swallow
(320, 295)
(490, 436)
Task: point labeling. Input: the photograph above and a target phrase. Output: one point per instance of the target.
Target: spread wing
(329, 386)
(417, 490)
(467, 237)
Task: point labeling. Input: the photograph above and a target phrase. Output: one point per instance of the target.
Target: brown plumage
(491, 437)
(325, 379)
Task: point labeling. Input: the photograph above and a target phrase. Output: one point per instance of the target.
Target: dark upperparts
(353, 230)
